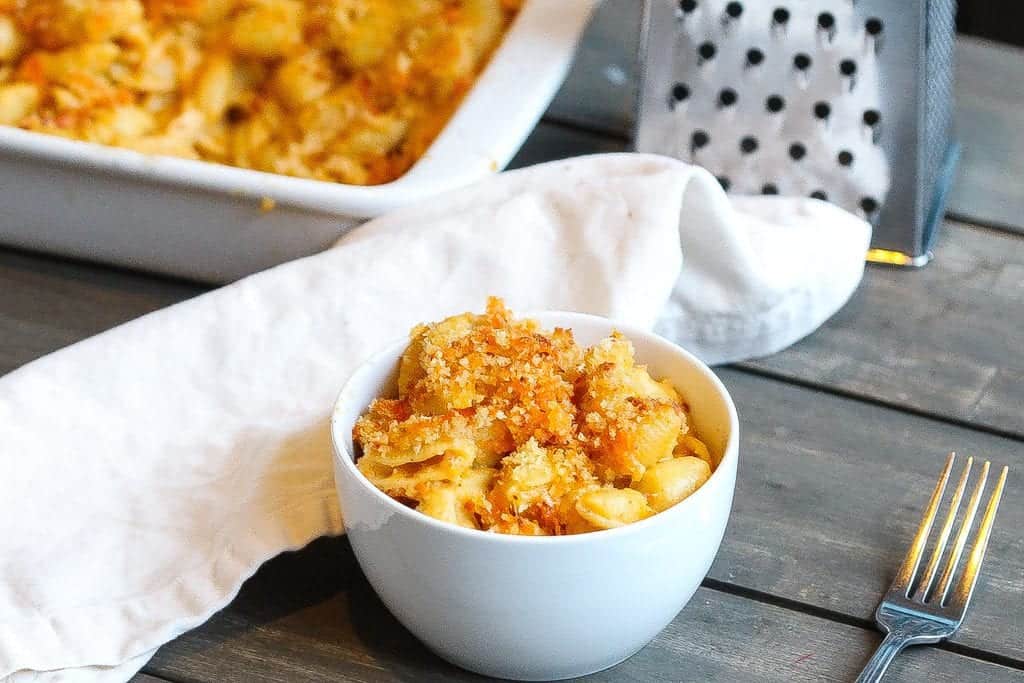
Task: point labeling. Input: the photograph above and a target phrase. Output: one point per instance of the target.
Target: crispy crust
(352, 91)
(504, 427)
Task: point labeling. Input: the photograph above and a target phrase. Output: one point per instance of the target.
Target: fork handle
(891, 645)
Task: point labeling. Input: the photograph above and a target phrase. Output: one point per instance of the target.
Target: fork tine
(925, 584)
(946, 580)
(964, 590)
(905, 576)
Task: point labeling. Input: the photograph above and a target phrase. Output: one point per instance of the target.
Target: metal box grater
(912, 44)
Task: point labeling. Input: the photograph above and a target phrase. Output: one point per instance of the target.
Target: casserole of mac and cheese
(351, 91)
(501, 426)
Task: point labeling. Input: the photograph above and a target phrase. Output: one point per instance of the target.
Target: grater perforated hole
(777, 111)
(869, 205)
(827, 26)
(873, 26)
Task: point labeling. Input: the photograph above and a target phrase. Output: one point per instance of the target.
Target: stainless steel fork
(915, 613)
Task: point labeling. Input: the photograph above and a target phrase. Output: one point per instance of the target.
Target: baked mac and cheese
(501, 426)
(351, 91)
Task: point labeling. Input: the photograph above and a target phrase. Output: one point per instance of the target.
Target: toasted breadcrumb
(350, 91)
(501, 426)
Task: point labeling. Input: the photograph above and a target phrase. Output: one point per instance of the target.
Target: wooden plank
(867, 349)
(46, 303)
(600, 90)
(990, 97)
(312, 616)
(830, 492)
(802, 528)
(551, 141)
(146, 678)
(945, 339)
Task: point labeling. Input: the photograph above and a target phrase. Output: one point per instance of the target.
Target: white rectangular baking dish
(204, 221)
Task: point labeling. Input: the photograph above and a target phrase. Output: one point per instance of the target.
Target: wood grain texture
(947, 339)
(807, 527)
(47, 303)
(830, 491)
(804, 528)
(311, 616)
(146, 678)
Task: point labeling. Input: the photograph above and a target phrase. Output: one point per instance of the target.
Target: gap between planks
(833, 390)
(147, 675)
(594, 130)
(963, 220)
(839, 617)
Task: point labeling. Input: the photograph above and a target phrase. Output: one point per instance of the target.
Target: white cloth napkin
(146, 472)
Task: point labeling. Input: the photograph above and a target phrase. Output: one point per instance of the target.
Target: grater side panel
(938, 115)
(657, 68)
(901, 72)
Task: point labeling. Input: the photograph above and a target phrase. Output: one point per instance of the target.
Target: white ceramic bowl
(538, 608)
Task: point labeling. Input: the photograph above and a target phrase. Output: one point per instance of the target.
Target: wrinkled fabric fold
(146, 472)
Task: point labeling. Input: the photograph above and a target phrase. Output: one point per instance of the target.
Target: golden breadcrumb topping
(351, 91)
(504, 427)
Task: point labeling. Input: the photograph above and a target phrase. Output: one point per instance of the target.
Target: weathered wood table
(841, 436)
